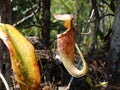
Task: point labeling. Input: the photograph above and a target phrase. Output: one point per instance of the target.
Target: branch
(103, 16)
(29, 9)
(29, 16)
(88, 23)
(91, 15)
(36, 16)
(4, 81)
(24, 19)
(106, 15)
(105, 2)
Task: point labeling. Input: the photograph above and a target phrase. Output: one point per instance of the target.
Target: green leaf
(89, 81)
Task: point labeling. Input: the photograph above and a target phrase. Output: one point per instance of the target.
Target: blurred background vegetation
(87, 14)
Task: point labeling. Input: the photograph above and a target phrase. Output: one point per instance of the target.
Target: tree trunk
(115, 46)
(94, 45)
(5, 11)
(5, 66)
(46, 23)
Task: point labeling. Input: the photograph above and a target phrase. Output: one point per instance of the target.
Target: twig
(92, 13)
(104, 1)
(88, 22)
(29, 9)
(4, 81)
(107, 15)
(36, 16)
(24, 19)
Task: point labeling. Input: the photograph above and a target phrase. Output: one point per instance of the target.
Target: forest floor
(55, 76)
